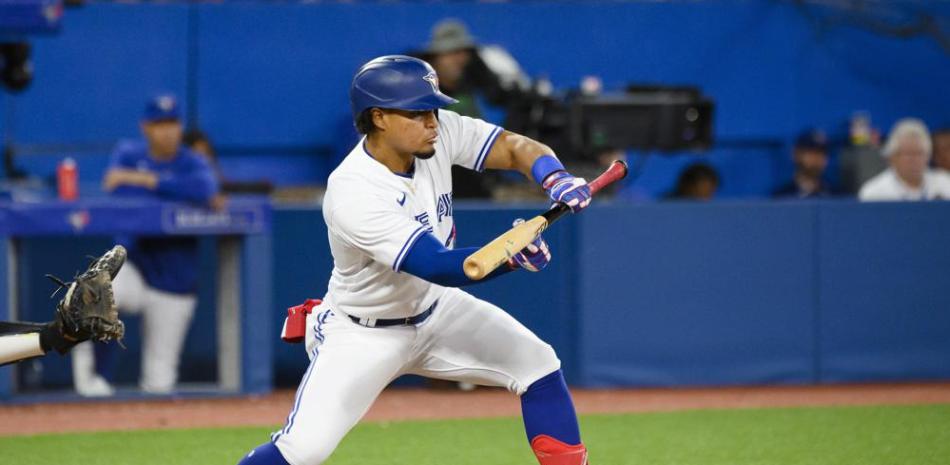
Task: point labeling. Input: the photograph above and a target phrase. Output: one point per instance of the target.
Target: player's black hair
(364, 122)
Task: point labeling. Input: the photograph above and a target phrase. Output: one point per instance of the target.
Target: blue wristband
(544, 166)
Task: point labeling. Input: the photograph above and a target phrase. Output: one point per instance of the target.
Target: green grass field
(915, 435)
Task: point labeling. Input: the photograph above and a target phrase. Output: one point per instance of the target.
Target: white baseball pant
(465, 339)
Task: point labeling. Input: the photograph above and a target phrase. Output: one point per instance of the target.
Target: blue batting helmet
(399, 82)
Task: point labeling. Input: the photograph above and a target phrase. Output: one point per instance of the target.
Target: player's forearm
(17, 347)
(429, 260)
(118, 177)
(446, 269)
(516, 152)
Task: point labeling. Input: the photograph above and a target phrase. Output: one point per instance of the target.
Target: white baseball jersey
(375, 216)
(887, 186)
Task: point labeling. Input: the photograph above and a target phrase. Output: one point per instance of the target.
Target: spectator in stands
(908, 149)
(942, 150)
(698, 181)
(450, 51)
(472, 73)
(160, 277)
(811, 158)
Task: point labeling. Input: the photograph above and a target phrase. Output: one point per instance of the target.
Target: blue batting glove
(535, 256)
(561, 186)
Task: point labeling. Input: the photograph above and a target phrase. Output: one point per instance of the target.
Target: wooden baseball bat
(498, 251)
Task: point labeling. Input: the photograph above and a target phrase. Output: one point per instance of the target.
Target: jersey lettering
(445, 206)
(424, 219)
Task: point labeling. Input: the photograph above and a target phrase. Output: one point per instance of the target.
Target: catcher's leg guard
(550, 451)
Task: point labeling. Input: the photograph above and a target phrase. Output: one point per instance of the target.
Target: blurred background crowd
(705, 101)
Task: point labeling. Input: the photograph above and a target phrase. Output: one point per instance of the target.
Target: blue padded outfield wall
(697, 294)
(269, 80)
(884, 305)
(763, 293)
(666, 294)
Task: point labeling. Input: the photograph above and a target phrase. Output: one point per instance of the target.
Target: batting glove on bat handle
(563, 187)
(534, 257)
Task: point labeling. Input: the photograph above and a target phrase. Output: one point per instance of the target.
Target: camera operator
(473, 74)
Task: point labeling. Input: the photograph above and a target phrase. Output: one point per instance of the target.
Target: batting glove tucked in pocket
(535, 256)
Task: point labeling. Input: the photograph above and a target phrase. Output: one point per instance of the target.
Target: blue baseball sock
(265, 454)
(547, 408)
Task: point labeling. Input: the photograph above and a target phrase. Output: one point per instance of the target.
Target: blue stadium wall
(652, 295)
(269, 80)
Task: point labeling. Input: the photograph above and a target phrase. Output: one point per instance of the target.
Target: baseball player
(393, 305)
(160, 280)
(87, 311)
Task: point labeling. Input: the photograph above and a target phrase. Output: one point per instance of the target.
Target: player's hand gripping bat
(492, 255)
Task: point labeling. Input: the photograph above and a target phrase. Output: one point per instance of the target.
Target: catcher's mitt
(88, 310)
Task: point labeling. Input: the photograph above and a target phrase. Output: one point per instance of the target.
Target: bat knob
(473, 269)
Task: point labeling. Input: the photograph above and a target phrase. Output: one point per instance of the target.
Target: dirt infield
(402, 404)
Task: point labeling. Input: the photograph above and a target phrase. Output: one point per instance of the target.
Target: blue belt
(383, 322)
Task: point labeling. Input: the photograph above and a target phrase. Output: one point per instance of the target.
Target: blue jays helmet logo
(433, 81)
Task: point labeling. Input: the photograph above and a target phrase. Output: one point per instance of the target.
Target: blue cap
(163, 107)
(812, 139)
(399, 82)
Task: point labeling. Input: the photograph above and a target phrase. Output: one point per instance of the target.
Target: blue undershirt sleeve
(430, 260)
